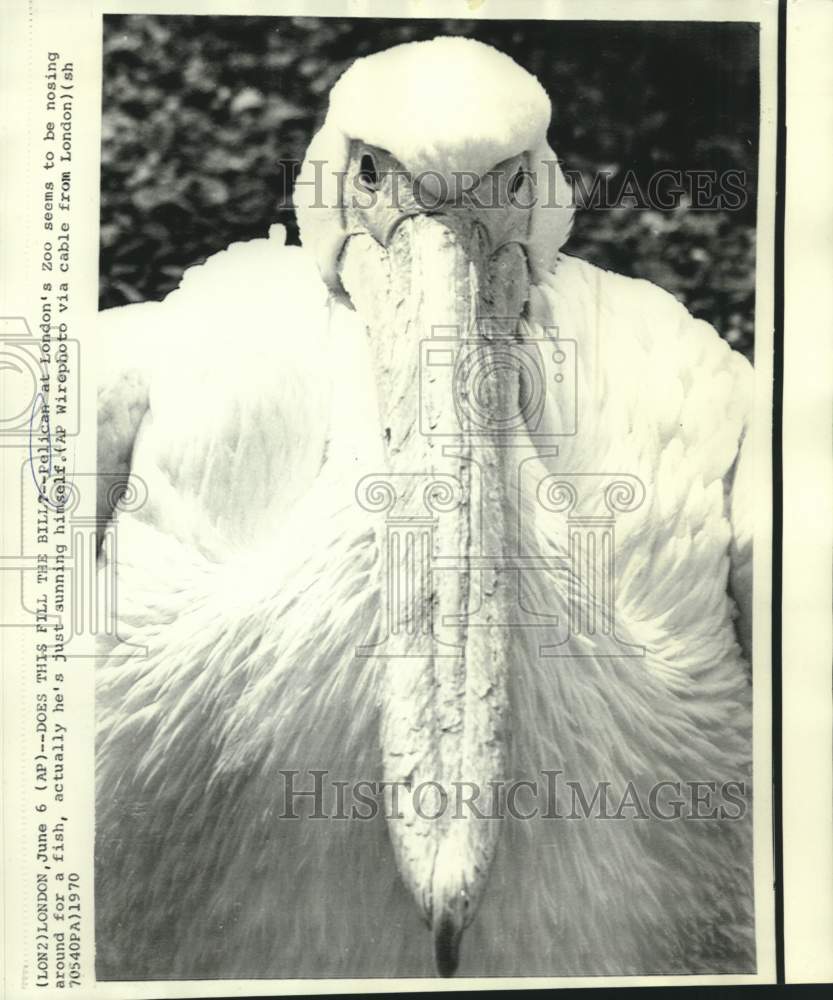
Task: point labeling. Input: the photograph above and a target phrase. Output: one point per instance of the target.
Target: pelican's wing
(127, 345)
(224, 366)
(741, 507)
(670, 402)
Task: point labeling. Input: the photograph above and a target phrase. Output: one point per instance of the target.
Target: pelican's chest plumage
(263, 616)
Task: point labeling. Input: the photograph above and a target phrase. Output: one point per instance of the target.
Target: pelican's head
(431, 201)
(451, 114)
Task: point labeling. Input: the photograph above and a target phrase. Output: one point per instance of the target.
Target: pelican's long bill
(442, 306)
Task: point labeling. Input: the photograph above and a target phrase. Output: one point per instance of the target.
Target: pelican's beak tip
(447, 934)
(448, 926)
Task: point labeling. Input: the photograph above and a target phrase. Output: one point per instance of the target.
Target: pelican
(424, 506)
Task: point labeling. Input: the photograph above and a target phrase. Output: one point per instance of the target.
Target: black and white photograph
(415, 535)
(424, 434)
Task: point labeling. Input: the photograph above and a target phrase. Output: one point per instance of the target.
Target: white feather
(259, 422)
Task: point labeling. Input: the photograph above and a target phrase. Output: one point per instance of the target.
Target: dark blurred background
(204, 117)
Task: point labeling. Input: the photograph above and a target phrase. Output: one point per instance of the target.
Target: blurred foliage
(204, 119)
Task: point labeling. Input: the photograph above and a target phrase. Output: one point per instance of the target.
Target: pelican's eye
(517, 181)
(512, 186)
(369, 172)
